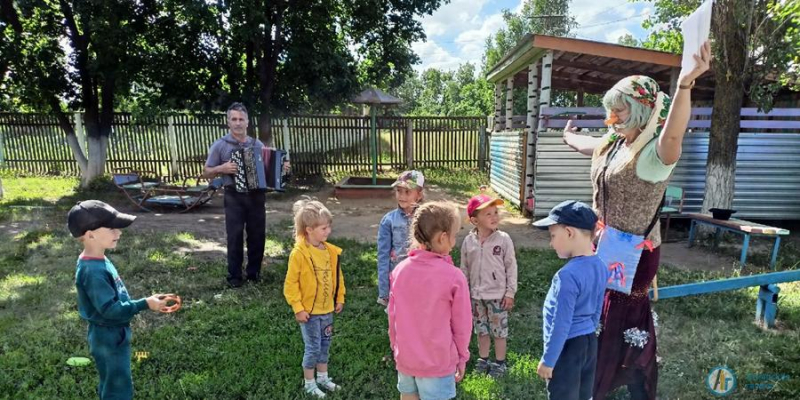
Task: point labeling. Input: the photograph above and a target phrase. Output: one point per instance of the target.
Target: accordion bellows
(258, 170)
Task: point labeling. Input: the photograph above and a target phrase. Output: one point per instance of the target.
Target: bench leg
(775, 252)
(666, 229)
(692, 227)
(745, 246)
(717, 236)
(767, 305)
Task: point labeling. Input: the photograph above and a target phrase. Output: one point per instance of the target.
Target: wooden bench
(741, 227)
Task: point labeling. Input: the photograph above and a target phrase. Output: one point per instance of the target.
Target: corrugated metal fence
(507, 164)
(767, 162)
(176, 145)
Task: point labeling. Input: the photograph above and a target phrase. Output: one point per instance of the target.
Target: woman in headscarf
(631, 166)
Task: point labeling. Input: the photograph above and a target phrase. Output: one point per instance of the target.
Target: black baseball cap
(93, 214)
(571, 213)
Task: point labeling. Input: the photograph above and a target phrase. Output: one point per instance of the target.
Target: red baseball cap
(480, 202)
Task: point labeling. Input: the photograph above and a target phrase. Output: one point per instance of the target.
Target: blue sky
(457, 31)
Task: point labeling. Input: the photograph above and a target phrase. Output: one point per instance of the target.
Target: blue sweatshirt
(573, 304)
(392, 246)
(102, 297)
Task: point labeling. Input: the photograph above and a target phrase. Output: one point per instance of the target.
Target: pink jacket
(430, 320)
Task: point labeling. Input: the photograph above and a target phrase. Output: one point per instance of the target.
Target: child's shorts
(427, 388)
(490, 318)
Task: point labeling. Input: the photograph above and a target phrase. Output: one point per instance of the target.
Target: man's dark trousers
(244, 212)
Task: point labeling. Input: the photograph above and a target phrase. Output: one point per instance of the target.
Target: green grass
(244, 344)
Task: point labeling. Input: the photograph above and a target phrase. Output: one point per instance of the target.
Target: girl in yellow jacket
(314, 287)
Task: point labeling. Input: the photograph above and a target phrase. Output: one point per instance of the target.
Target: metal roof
(591, 66)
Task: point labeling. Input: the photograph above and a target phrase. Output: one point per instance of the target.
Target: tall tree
(754, 42)
(546, 17)
(282, 55)
(84, 55)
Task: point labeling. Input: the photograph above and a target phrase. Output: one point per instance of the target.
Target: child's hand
(156, 302)
(460, 373)
(507, 303)
(544, 371)
(302, 317)
(339, 307)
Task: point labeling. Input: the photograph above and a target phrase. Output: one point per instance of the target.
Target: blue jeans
(111, 349)
(317, 334)
(443, 388)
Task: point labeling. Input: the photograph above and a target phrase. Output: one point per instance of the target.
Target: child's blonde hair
(429, 220)
(309, 213)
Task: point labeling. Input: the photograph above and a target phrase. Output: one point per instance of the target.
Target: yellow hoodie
(300, 285)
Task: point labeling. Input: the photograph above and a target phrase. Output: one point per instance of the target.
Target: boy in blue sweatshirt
(572, 307)
(103, 300)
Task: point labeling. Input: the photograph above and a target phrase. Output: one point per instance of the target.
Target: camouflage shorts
(490, 318)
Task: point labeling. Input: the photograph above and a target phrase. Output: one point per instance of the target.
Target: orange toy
(176, 303)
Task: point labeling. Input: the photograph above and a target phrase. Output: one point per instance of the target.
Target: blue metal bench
(741, 227)
(766, 304)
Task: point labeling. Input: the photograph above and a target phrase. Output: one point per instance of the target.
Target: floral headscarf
(643, 90)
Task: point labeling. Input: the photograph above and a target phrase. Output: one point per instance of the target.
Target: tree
(85, 55)
(446, 93)
(754, 41)
(282, 55)
(628, 40)
(546, 17)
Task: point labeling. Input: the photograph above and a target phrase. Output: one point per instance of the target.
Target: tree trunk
(98, 146)
(728, 95)
(1, 189)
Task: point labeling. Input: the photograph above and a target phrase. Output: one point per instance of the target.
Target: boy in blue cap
(103, 300)
(572, 307)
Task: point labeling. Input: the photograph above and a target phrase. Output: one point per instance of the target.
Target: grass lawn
(244, 344)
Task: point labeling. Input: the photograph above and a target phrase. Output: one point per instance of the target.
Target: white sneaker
(328, 385)
(313, 390)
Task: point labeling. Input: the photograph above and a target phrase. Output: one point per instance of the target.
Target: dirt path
(358, 219)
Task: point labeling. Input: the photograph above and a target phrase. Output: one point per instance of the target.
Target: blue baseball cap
(571, 213)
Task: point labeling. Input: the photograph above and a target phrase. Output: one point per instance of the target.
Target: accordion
(259, 170)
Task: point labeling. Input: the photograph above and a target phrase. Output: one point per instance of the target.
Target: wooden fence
(176, 146)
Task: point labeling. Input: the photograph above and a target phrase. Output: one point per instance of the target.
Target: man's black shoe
(235, 282)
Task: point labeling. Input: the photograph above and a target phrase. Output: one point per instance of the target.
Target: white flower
(599, 329)
(636, 337)
(655, 318)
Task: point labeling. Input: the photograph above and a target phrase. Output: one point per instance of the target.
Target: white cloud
(434, 56)
(453, 16)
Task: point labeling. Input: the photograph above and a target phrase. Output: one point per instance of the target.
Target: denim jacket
(392, 246)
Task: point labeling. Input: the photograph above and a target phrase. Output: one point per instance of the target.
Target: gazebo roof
(375, 96)
(591, 66)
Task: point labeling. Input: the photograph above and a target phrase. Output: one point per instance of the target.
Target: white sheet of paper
(696, 29)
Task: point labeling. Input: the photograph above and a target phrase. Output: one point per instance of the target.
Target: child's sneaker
(482, 366)
(383, 302)
(328, 384)
(497, 370)
(312, 389)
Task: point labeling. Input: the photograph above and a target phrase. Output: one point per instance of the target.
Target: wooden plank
(692, 289)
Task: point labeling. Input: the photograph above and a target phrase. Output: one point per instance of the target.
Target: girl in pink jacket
(430, 320)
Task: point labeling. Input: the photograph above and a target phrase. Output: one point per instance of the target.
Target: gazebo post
(498, 106)
(509, 102)
(374, 142)
(544, 101)
(531, 126)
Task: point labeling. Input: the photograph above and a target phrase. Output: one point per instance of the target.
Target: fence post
(409, 146)
(79, 134)
(481, 148)
(172, 141)
(285, 134)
